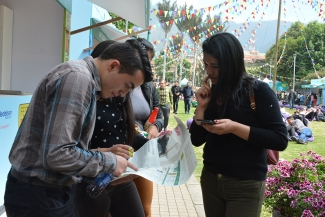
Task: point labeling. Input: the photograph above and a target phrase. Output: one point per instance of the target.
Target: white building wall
(37, 40)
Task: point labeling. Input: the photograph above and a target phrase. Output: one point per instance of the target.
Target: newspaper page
(167, 160)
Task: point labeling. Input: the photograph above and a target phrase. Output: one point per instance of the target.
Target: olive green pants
(228, 197)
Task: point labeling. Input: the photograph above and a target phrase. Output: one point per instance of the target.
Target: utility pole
(294, 72)
(277, 46)
(181, 68)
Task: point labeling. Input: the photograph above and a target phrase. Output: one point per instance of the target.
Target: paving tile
(178, 201)
(164, 213)
(173, 213)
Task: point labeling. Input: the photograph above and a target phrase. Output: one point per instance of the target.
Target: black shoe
(294, 138)
(300, 141)
(175, 112)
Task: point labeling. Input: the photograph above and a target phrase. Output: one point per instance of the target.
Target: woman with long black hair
(234, 172)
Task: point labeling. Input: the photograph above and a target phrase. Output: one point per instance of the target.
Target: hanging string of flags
(194, 11)
(206, 32)
(236, 9)
(317, 6)
(186, 45)
(256, 28)
(241, 30)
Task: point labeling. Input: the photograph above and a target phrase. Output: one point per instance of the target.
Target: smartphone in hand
(203, 121)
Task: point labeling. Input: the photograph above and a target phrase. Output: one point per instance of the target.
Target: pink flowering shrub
(297, 188)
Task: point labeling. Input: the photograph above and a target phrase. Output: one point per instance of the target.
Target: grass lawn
(293, 150)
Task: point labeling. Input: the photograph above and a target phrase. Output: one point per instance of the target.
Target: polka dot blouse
(109, 125)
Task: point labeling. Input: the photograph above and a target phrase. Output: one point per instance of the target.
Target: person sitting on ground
(302, 111)
(319, 115)
(303, 131)
(310, 114)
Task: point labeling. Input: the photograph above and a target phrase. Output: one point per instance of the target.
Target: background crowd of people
(298, 98)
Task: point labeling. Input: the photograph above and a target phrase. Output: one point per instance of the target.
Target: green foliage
(121, 24)
(159, 62)
(186, 68)
(298, 35)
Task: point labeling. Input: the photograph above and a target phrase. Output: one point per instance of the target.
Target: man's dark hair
(290, 117)
(149, 47)
(98, 50)
(132, 56)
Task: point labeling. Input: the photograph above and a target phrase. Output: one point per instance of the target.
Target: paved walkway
(179, 201)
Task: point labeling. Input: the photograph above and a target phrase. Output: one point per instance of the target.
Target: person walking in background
(144, 99)
(234, 172)
(50, 152)
(311, 100)
(176, 91)
(166, 98)
(302, 99)
(292, 98)
(187, 94)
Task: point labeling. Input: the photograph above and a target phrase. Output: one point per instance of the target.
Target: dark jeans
(166, 110)
(291, 131)
(27, 200)
(228, 197)
(123, 200)
(175, 103)
(187, 102)
(291, 103)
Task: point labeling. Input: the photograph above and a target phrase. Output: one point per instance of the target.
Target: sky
(295, 9)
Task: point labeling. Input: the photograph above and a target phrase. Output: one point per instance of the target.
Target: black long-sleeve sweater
(234, 157)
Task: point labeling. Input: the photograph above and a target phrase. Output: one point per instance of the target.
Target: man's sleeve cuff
(109, 162)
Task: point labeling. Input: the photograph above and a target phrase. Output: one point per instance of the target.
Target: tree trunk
(165, 48)
(175, 75)
(194, 65)
(180, 68)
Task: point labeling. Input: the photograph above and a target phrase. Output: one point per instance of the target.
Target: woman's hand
(118, 149)
(226, 126)
(221, 127)
(203, 95)
(152, 131)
